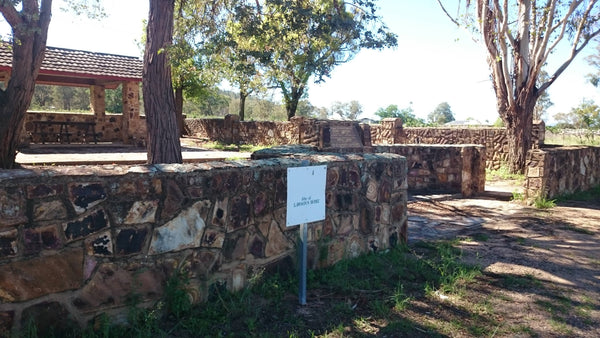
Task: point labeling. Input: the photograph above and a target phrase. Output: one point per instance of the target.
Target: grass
(370, 292)
(248, 148)
(588, 195)
(585, 138)
(503, 173)
(541, 202)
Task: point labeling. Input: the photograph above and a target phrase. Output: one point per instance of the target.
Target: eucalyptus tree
(519, 36)
(242, 62)
(308, 38)
(192, 55)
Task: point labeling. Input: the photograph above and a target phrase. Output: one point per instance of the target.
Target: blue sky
(434, 62)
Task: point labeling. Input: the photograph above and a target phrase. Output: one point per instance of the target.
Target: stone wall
(335, 136)
(232, 131)
(552, 172)
(494, 139)
(76, 242)
(324, 134)
(442, 168)
(430, 168)
(108, 127)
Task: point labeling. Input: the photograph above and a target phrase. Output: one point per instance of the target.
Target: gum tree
(519, 36)
(308, 38)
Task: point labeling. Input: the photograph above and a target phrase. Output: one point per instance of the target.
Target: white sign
(305, 194)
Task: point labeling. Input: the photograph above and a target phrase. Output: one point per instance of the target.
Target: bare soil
(541, 270)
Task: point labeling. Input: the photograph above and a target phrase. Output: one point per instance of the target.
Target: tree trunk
(159, 102)
(243, 96)
(179, 110)
(28, 55)
(519, 123)
(291, 101)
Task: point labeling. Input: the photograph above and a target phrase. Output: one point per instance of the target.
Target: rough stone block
(85, 225)
(13, 208)
(43, 190)
(38, 239)
(111, 286)
(130, 241)
(277, 242)
(239, 213)
(47, 211)
(86, 195)
(184, 231)
(213, 238)
(24, 280)
(8, 243)
(99, 245)
(235, 246)
(173, 201)
(141, 212)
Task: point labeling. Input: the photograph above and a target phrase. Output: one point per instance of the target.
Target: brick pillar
(98, 101)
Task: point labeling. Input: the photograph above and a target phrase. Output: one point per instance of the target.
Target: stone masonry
(562, 170)
(76, 242)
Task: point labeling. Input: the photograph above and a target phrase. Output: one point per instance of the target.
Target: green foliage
(177, 300)
(586, 115)
(347, 110)
(408, 118)
(543, 102)
(503, 173)
(542, 202)
(307, 39)
(441, 114)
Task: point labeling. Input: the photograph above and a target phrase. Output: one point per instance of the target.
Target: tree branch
(10, 13)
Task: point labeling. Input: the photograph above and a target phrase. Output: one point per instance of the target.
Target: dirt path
(541, 268)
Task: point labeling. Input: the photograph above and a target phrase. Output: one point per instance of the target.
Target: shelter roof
(71, 67)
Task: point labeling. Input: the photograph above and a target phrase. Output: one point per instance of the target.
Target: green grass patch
(353, 294)
(503, 173)
(247, 148)
(584, 196)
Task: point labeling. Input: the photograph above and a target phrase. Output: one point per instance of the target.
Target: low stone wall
(494, 139)
(552, 172)
(76, 242)
(430, 168)
(442, 168)
(231, 130)
(335, 135)
(109, 128)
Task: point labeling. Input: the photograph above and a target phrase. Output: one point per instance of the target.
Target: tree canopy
(441, 114)
(406, 114)
(584, 116)
(519, 36)
(306, 39)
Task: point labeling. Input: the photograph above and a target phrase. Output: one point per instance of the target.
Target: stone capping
(112, 230)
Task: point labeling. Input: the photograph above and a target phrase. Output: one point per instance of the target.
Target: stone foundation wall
(430, 168)
(329, 135)
(494, 139)
(442, 168)
(76, 242)
(109, 128)
(552, 172)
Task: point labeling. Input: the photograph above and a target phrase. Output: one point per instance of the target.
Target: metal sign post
(303, 263)
(305, 203)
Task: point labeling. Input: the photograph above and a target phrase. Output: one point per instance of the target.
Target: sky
(434, 62)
